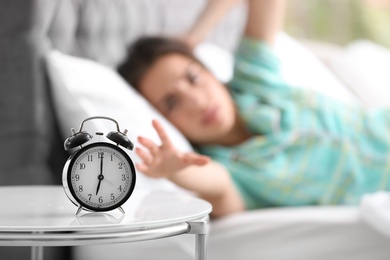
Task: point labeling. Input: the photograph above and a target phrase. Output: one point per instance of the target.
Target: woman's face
(190, 97)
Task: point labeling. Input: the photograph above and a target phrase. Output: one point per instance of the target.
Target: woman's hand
(265, 19)
(164, 160)
(192, 171)
(264, 22)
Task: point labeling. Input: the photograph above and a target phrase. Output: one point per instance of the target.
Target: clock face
(100, 177)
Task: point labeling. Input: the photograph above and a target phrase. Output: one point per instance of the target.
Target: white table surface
(43, 215)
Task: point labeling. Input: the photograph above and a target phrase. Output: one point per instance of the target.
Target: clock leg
(121, 210)
(79, 210)
(37, 253)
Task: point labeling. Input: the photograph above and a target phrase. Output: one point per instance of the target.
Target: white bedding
(364, 67)
(313, 233)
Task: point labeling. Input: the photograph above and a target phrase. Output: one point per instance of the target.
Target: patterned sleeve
(257, 68)
(258, 87)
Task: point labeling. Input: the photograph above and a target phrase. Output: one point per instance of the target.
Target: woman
(270, 144)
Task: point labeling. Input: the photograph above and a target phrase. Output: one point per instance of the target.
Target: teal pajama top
(306, 149)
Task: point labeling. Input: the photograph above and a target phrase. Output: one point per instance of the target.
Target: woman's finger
(142, 168)
(145, 156)
(196, 159)
(161, 133)
(149, 144)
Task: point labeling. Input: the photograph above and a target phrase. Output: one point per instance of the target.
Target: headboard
(31, 147)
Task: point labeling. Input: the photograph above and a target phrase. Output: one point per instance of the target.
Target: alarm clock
(98, 176)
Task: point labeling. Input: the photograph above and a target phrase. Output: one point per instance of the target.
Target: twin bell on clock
(98, 176)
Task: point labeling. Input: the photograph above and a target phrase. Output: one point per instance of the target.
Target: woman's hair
(145, 52)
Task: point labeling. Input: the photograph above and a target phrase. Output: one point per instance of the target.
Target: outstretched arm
(192, 171)
(265, 19)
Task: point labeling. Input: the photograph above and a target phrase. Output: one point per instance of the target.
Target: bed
(58, 61)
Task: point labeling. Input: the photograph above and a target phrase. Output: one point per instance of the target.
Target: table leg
(201, 247)
(200, 228)
(37, 253)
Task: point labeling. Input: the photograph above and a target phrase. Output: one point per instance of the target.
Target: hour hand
(98, 187)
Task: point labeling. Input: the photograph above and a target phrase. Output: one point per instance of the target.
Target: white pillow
(301, 68)
(364, 66)
(218, 60)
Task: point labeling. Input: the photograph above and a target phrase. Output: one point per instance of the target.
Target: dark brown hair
(145, 52)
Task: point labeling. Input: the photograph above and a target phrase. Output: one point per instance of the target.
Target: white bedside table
(40, 216)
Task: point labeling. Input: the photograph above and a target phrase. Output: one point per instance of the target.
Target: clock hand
(100, 176)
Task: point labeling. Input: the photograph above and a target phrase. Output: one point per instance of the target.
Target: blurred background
(340, 21)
